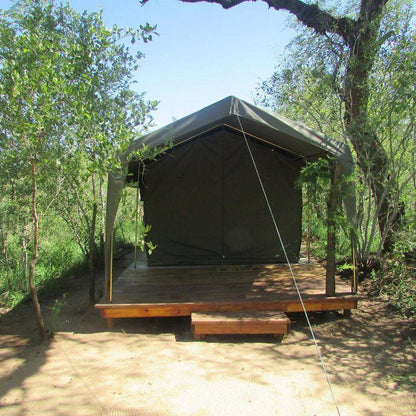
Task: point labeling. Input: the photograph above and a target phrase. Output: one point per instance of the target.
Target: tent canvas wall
(202, 199)
(205, 206)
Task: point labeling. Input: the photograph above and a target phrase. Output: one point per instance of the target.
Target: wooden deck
(161, 292)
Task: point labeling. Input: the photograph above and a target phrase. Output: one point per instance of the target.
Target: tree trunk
(331, 231)
(371, 156)
(41, 325)
(102, 214)
(5, 256)
(24, 259)
(375, 167)
(92, 246)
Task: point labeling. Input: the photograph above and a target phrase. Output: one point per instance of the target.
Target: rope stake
(290, 266)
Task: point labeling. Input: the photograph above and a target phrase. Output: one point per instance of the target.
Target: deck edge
(134, 310)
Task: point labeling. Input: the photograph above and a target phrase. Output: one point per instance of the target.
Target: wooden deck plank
(158, 292)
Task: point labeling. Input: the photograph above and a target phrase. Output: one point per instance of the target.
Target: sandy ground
(153, 366)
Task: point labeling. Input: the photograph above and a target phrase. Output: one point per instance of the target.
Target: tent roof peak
(238, 114)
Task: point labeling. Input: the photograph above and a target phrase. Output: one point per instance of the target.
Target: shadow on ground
(372, 353)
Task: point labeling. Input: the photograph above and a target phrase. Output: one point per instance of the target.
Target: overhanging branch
(310, 15)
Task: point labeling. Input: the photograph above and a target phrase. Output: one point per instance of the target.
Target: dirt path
(153, 367)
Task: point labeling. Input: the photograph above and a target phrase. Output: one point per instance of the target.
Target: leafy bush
(129, 226)
(397, 276)
(397, 280)
(56, 260)
(314, 180)
(59, 254)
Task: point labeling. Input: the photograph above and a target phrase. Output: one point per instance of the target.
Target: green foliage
(310, 87)
(396, 278)
(397, 281)
(56, 259)
(317, 174)
(56, 309)
(67, 107)
(314, 180)
(11, 298)
(147, 153)
(405, 244)
(127, 229)
(59, 254)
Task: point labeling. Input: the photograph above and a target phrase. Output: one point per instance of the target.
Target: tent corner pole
(136, 221)
(110, 279)
(331, 230)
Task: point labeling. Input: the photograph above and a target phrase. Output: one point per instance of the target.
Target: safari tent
(203, 197)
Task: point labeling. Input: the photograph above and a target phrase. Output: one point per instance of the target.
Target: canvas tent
(202, 197)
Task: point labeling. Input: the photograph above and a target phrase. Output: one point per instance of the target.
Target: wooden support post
(347, 313)
(108, 279)
(331, 228)
(354, 285)
(136, 222)
(110, 282)
(308, 232)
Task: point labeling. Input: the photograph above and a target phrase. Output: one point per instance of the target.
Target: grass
(60, 258)
(59, 255)
(56, 261)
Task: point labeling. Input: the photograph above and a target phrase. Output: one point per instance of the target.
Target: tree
(105, 116)
(32, 85)
(66, 108)
(363, 38)
(309, 87)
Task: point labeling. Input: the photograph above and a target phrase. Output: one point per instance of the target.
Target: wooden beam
(187, 308)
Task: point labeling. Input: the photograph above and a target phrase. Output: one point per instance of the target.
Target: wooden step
(273, 322)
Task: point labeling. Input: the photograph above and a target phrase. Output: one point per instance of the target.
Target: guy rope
(279, 237)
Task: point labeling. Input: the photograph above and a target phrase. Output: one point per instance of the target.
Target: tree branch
(315, 18)
(310, 15)
(371, 9)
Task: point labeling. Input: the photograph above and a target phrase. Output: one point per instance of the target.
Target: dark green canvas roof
(276, 130)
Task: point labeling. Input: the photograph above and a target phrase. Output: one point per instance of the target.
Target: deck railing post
(331, 230)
